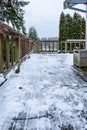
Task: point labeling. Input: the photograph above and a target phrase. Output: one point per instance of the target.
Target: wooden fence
(46, 46)
(56, 46)
(13, 47)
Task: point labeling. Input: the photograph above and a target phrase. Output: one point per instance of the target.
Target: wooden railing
(13, 47)
(46, 46)
(56, 46)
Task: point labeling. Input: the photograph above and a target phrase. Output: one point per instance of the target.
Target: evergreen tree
(32, 35)
(80, 28)
(71, 28)
(14, 13)
(83, 28)
(68, 27)
(77, 26)
(62, 27)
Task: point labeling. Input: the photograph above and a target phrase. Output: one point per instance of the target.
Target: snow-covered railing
(70, 44)
(14, 46)
(46, 46)
(58, 46)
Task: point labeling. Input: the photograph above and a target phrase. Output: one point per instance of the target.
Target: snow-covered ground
(48, 94)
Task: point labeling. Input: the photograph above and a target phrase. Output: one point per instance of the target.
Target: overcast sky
(44, 15)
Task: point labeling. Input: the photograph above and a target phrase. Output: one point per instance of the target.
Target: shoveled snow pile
(48, 94)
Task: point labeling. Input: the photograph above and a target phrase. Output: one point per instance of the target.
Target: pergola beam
(77, 9)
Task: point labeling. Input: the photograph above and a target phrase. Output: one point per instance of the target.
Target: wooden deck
(43, 93)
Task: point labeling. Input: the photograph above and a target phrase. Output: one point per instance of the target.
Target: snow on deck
(48, 94)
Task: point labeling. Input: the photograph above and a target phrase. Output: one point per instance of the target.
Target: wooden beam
(45, 46)
(18, 50)
(7, 53)
(53, 46)
(12, 47)
(1, 59)
(18, 54)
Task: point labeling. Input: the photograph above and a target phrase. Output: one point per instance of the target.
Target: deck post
(7, 53)
(58, 46)
(12, 42)
(41, 47)
(74, 45)
(79, 46)
(53, 46)
(29, 46)
(61, 47)
(37, 47)
(49, 46)
(1, 59)
(45, 46)
(70, 47)
(65, 47)
(84, 45)
(18, 54)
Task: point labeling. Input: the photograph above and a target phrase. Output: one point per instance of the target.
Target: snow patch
(2, 79)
